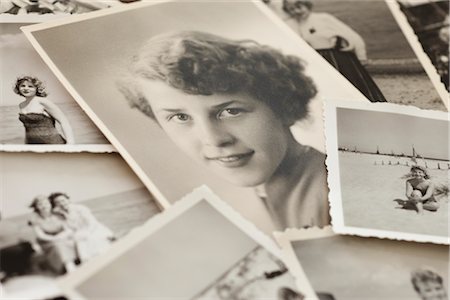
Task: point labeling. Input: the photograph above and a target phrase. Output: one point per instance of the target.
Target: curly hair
(204, 64)
(40, 88)
(287, 6)
(420, 168)
(35, 202)
(424, 275)
(53, 196)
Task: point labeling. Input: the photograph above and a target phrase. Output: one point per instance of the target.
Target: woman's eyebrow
(223, 105)
(173, 110)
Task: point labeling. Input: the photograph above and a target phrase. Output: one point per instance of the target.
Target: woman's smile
(235, 135)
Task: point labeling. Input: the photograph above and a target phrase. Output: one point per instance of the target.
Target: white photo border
(334, 182)
(69, 283)
(413, 41)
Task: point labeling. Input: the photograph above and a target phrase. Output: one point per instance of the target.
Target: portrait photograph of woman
(34, 107)
(232, 105)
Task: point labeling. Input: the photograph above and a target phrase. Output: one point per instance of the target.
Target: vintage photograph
(235, 104)
(202, 247)
(43, 10)
(362, 40)
(389, 171)
(34, 107)
(426, 24)
(372, 268)
(59, 210)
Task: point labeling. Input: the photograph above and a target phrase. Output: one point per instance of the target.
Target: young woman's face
(417, 173)
(62, 202)
(297, 9)
(237, 136)
(432, 291)
(27, 89)
(43, 206)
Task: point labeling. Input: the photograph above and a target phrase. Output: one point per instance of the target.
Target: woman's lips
(233, 160)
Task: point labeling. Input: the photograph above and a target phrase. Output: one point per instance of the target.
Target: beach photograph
(373, 268)
(205, 66)
(53, 222)
(363, 41)
(201, 247)
(392, 169)
(48, 115)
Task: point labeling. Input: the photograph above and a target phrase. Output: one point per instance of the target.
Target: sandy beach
(84, 129)
(369, 192)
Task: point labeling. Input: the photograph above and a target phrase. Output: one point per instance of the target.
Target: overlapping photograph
(214, 93)
(363, 41)
(36, 112)
(389, 171)
(61, 210)
(426, 25)
(198, 249)
(350, 267)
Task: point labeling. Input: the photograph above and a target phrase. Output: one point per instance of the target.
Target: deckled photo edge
(413, 41)
(137, 235)
(28, 31)
(335, 199)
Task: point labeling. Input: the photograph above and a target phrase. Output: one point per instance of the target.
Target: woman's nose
(212, 133)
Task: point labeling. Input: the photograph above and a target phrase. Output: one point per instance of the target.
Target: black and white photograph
(200, 248)
(44, 10)
(35, 109)
(426, 25)
(389, 171)
(349, 267)
(61, 210)
(362, 40)
(215, 93)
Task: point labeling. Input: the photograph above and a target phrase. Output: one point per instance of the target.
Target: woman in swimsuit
(38, 114)
(420, 190)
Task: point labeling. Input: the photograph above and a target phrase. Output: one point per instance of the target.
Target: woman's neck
(293, 152)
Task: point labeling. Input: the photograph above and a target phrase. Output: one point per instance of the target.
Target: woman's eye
(230, 113)
(179, 118)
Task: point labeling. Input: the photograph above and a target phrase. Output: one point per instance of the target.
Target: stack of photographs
(224, 150)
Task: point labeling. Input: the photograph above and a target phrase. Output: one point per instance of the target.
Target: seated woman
(420, 190)
(229, 105)
(90, 236)
(53, 237)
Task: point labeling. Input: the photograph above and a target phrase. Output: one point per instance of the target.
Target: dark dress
(351, 68)
(40, 129)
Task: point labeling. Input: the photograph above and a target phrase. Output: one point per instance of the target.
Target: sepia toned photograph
(235, 104)
(200, 246)
(59, 211)
(426, 24)
(389, 171)
(35, 109)
(44, 10)
(362, 40)
(374, 268)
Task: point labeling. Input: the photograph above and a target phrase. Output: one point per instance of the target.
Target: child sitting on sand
(420, 190)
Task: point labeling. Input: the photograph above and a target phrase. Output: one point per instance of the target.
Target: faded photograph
(235, 104)
(202, 254)
(362, 40)
(34, 106)
(50, 224)
(58, 7)
(430, 21)
(396, 177)
(376, 268)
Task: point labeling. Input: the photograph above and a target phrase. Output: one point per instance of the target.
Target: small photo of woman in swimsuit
(420, 190)
(39, 115)
(229, 105)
